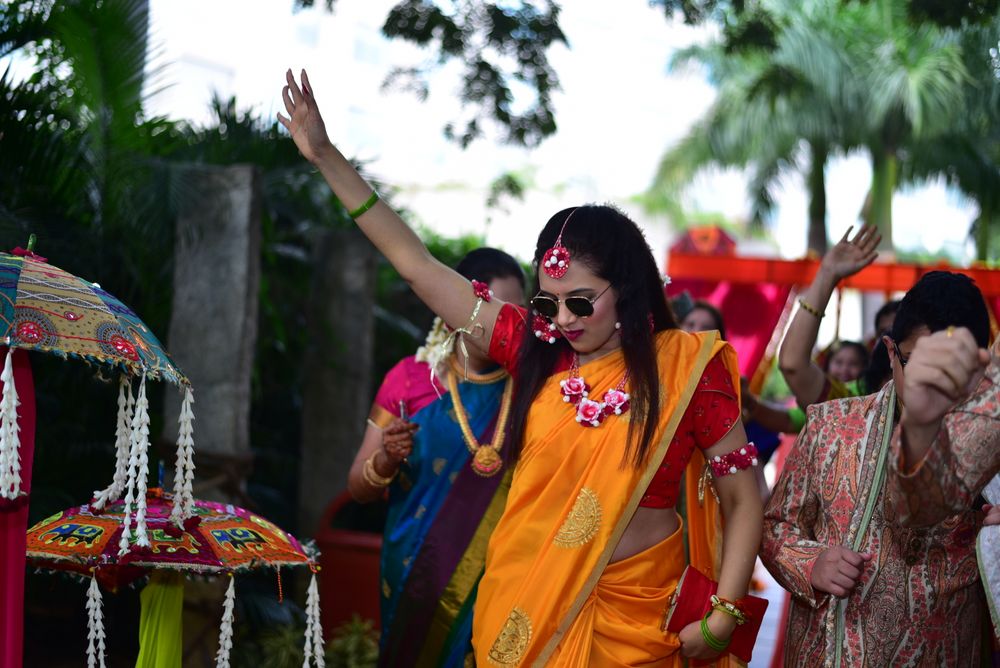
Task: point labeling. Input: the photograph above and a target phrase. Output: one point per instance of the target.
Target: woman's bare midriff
(648, 527)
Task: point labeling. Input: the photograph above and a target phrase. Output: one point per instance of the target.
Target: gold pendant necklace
(486, 460)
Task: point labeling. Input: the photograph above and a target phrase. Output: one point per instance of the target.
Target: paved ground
(768, 635)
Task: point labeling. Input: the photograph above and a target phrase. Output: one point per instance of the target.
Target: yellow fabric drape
(569, 504)
(161, 642)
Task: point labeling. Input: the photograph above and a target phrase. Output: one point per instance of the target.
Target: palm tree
(967, 155)
(770, 116)
(907, 81)
(840, 76)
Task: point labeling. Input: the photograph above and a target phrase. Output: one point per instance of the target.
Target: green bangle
(369, 203)
(713, 643)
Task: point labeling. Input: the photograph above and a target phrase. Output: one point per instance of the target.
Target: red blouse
(712, 412)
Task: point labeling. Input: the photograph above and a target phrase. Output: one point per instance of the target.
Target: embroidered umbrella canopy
(45, 309)
(217, 539)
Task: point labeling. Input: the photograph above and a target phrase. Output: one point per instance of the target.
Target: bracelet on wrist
(368, 203)
(728, 607)
(715, 644)
(811, 310)
(372, 476)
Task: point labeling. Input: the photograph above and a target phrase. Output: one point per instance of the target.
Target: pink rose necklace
(590, 413)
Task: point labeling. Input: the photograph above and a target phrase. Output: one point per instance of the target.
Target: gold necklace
(477, 378)
(486, 459)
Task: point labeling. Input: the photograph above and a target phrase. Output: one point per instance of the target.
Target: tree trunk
(983, 229)
(337, 372)
(817, 239)
(885, 168)
(213, 323)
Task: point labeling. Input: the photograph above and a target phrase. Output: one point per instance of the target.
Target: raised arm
(444, 291)
(947, 445)
(847, 258)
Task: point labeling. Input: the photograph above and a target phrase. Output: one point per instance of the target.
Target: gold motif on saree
(583, 521)
(509, 647)
(439, 465)
(386, 590)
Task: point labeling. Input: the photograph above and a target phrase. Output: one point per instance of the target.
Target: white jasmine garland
(184, 467)
(95, 626)
(123, 435)
(10, 439)
(314, 630)
(226, 629)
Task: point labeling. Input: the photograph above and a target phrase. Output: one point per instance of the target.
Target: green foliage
(507, 82)
(842, 75)
(353, 645)
(401, 319)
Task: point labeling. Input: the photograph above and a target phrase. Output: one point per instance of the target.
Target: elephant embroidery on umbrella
(161, 541)
(73, 534)
(239, 539)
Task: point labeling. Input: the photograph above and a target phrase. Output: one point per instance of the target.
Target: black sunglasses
(899, 355)
(581, 307)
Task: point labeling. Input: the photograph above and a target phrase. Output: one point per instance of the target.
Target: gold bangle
(809, 309)
(372, 477)
(729, 608)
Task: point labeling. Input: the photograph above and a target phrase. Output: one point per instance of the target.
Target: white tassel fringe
(226, 630)
(184, 467)
(95, 626)
(138, 464)
(10, 439)
(314, 649)
(123, 436)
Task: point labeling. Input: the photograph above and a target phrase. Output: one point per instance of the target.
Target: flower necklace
(486, 459)
(590, 413)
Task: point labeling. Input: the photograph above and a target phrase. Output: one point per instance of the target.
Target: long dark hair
(612, 247)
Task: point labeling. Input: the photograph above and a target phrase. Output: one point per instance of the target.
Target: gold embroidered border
(583, 521)
(509, 647)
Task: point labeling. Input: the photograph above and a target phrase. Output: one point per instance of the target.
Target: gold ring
(950, 331)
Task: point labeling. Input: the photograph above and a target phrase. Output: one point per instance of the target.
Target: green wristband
(369, 203)
(713, 643)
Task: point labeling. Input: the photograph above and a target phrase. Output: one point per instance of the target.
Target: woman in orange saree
(590, 547)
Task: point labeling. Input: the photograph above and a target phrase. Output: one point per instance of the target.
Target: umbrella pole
(14, 524)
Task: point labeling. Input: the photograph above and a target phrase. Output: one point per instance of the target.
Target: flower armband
(482, 290)
(735, 461)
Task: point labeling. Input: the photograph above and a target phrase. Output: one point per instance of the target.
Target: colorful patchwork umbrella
(217, 539)
(45, 309)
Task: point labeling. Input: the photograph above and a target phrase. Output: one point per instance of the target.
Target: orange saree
(549, 596)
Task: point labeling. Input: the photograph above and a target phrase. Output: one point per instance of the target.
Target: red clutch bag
(691, 601)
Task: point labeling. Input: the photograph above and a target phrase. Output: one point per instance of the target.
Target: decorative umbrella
(46, 309)
(218, 538)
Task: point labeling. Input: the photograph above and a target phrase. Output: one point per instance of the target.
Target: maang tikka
(555, 262)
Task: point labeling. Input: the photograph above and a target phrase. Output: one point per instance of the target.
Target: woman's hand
(304, 122)
(693, 644)
(849, 257)
(397, 441)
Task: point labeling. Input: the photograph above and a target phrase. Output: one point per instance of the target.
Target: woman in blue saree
(436, 443)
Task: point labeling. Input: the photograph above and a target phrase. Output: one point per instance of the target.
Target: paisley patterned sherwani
(919, 601)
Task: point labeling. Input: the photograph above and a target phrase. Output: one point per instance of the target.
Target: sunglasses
(899, 355)
(581, 307)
